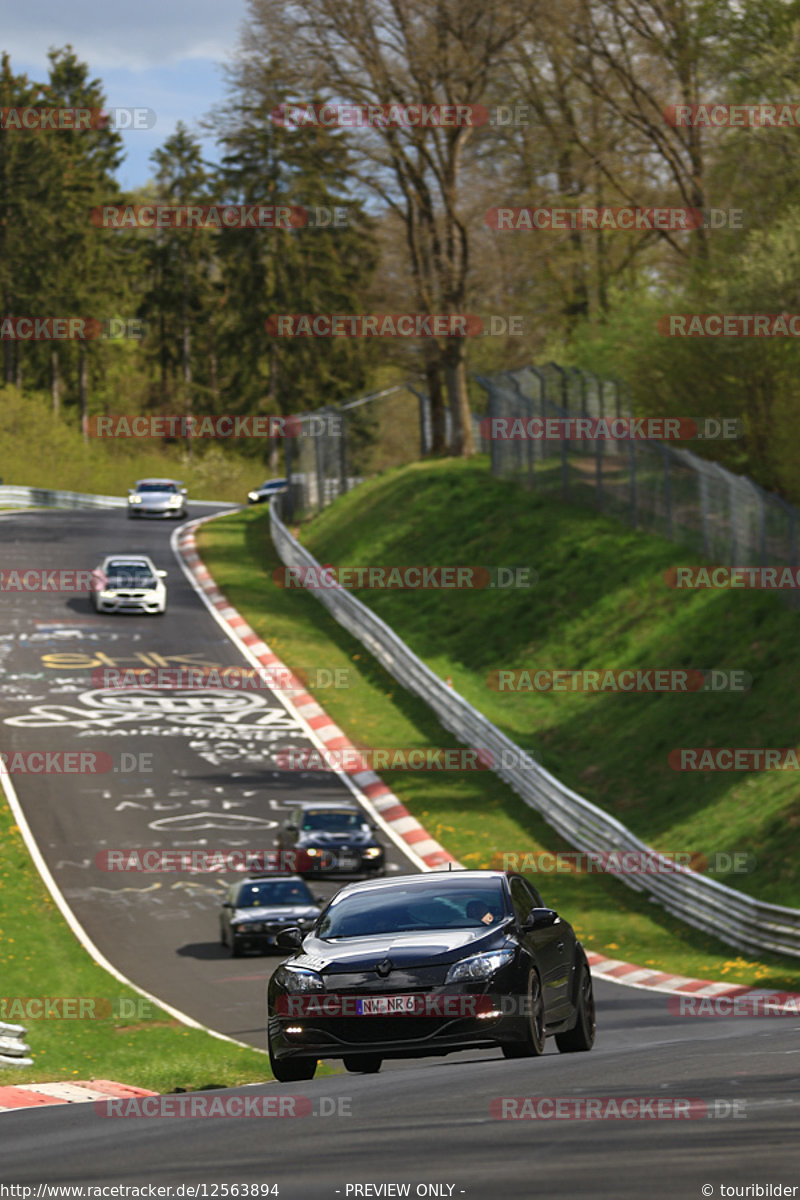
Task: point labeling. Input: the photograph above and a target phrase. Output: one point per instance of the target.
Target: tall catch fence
(721, 517)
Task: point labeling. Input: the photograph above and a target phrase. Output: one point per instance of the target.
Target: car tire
(581, 1037)
(291, 1070)
(534, 1043)
(365, 1064)
(222, 940)
(236, 949)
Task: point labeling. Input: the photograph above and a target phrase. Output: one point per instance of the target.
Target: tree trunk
(55, 381)
(433, 374)
(456, 380)
(83, 390)
(186, 353)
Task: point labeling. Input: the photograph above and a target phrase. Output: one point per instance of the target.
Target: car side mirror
(320, 899)
(290, 938)
(161, 574)
(227, 904)
(290, 828)
(540, 918)
(184, 492)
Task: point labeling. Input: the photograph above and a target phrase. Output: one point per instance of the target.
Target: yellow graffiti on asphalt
(142, 659)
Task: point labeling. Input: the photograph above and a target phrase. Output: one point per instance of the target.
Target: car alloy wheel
(291, 1070)
(581, 1037)
(535, 1038)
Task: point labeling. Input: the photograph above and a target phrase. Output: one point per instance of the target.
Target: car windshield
(418, 907)
(332, 822)
(156, 487)
(275, 891)
(130, 575)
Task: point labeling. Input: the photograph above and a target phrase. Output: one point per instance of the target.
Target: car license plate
(374, 1006)
(347, 863)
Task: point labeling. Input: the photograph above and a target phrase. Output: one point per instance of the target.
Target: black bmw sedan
(424, 965)
(331, 838)
(261, 904)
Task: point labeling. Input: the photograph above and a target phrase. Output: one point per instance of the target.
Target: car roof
(260, 876)
(346, 805)
(131, 559)
(458, 877)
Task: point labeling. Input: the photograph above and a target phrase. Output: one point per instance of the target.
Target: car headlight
(175, 501)
(300, 979)
(373, 852)
(312, 852)
(480, 966)
(252, 496)
(134, 500)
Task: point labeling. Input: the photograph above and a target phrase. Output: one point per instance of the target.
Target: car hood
(158, 497)
(277, 912)
(132, 587)
(412, 949)
(319, 837)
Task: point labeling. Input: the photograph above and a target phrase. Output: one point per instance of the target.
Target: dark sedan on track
(268, 489)
(258, 907)
(332, 838)
(424, 965)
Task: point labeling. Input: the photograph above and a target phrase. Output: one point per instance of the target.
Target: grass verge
(601, 601)
(121, 1036)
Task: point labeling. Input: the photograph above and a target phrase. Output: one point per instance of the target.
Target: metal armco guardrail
(13, 1049)
(29, 497)
(736, 919)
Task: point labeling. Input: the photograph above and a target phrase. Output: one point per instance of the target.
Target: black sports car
(259, 906)
(428, 964)
(331, 838)
(271, 487)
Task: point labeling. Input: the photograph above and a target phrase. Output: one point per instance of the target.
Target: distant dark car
(424, 965)
(332, 838)
(258, 907)
(157, 498)
(272, 487)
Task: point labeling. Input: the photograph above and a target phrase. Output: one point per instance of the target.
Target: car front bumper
(141, 510)
(116, 604)
(503, 1023)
